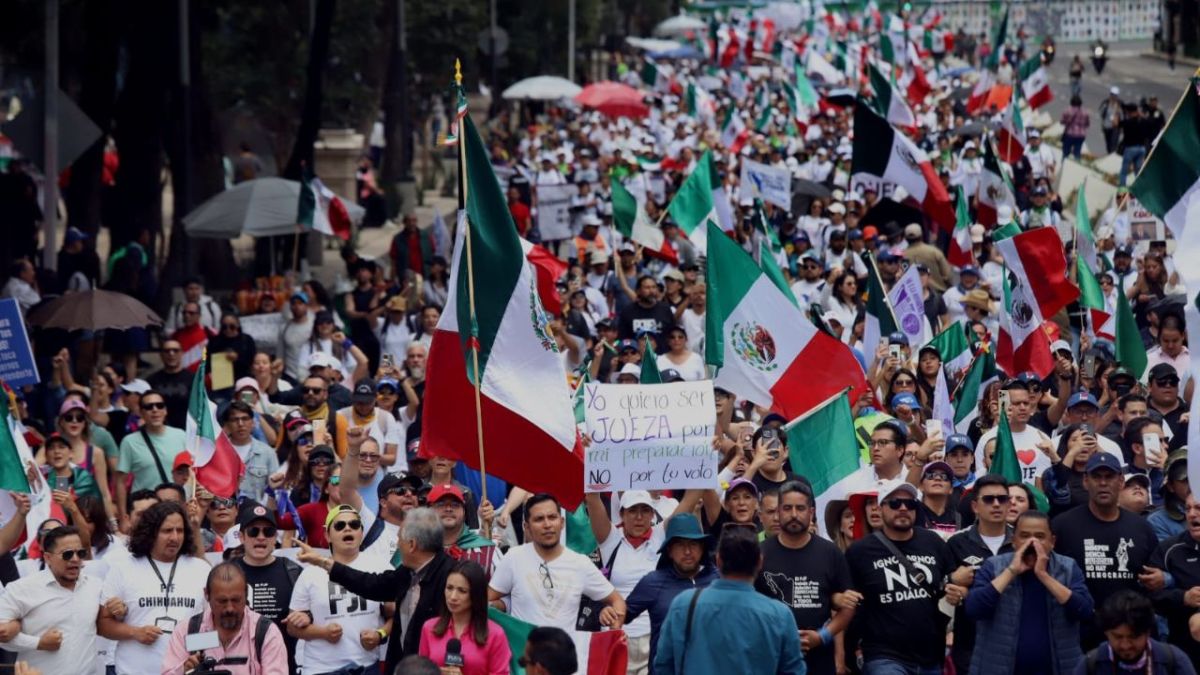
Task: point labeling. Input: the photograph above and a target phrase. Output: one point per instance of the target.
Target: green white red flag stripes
(1035, 83)
(880, 320)
(888, 101)
(764, 348)
(1085, 240)
(960, 251)
(1091, 298)
(830, 451)
(218, 466)
(633, 223)
(953, 348)
(692, 206)
(1010, 137)
(321, 210)
(1170, 178)
(1131, 351)
(995, 189)
(734, 132)
(1037, 289)
(526, 403)
(882, 152)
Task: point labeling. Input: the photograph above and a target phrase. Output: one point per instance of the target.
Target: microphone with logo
(454, 657)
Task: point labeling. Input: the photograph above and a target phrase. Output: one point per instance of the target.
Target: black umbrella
(808, 188)
(888, 211)
(841, 97)
(970, 129)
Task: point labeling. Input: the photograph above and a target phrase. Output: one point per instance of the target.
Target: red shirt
(520, 216)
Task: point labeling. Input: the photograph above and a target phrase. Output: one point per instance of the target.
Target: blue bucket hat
(683, 526)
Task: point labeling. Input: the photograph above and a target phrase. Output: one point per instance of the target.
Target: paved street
(1137, 76)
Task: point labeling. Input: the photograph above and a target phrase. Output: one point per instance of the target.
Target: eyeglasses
(898, 504)
(340, 525)
(160, 405)
(904, 383)
(314, 390)
(547, 580)
(76, 418)
(224, 503)
(320, 461)
(72, 553)
(240, 419)
(995, 499)
(368, 457)
(937, 475)
(1167, 382)
(881, 442)
(256, 532)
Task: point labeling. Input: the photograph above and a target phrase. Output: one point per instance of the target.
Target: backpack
(260, 628)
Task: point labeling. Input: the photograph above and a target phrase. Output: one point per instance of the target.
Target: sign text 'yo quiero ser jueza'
(649, 436)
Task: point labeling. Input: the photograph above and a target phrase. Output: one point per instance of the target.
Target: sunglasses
(1167, 382)
(72, 553)
(937, 475)
(223, 503)
(320, 461)
(256, 532)
(898, 504)
(314, 390)
(74, 418)
(340, 525)
(367, 457)
(402, 491)
(995, 499)
(160, 405)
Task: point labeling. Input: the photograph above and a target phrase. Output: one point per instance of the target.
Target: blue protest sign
(17, 367)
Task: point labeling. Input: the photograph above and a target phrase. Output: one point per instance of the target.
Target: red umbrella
(613, 99)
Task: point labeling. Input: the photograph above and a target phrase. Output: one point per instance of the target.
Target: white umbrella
(653, 45)
(680, 25)
(542, 88)
(264, 207)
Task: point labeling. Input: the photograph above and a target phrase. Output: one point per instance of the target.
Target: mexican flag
(547, 267)
(880, 319)
(633, 223)
(1170, 177)
(1091, 297)
(912, 78)
(655, 77)
(960, 252)
(700, 105)
(816, 64)
(953, 348)
(692, 206)
(1038, 287)
(995, 189)
(943, 410)
(806, 95)
(15, 458)
(1004, 461)
(1035, 84)
(734, 133)
(1131, 351)
(888, 101)
(998, 40)
(1010, 138)
(882, 152)
(970, 389)
(980, 92)
(217, 464)
(765, 350)
(525, 400)
(1085, 241)
(604, 652)
(650, 374)
(321, 210)
(830, 458)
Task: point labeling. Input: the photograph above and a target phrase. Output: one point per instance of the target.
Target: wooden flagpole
(474, 340)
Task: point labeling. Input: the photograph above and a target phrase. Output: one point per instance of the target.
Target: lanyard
(166, 583)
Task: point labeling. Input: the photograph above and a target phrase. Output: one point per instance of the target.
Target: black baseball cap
(364, 391)
(252, 511)
(393, 480)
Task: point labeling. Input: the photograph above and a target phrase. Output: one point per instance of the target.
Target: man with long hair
(161, 585)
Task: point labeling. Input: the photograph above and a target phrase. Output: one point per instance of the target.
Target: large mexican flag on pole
(525, 400)
(765, 350)
(1170, 177)
(218, 466)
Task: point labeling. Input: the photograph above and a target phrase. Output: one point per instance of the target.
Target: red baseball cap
(183, 459)
(443, 490)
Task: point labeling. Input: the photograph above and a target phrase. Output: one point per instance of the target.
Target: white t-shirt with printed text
(330, 603)
(148, 604)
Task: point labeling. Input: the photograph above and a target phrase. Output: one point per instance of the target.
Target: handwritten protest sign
(554, 211)
(264, 328)
(16, 358)
(649, 436)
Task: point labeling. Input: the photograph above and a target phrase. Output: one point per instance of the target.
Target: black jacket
(968, 549)
(391, 586)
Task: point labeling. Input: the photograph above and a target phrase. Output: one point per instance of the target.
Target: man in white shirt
(162, 584)
(542, 582)
(1041, 158)
(295, 334)
(811, 285)
(56, 635)
(1030, 442)
(21, 285)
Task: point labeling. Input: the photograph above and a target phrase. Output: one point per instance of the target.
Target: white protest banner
(772, 185)
(554, 211)
(264, 328)
(503, 174)
(649, 436)
(862, 182)
(909, 305)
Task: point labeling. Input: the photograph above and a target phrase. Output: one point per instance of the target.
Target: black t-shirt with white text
(269, 592)
(805, 580)
(899, 618)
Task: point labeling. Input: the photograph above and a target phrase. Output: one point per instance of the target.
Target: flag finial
(458, 72)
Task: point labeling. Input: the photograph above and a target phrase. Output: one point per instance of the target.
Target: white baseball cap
(632, 498)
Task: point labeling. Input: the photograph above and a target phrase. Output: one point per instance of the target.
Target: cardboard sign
(17, 367)
(554, 211)
(649, 436)
(264, 328)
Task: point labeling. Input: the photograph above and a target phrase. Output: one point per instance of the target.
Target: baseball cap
(627, 343)
(1119, 372)
(631, 369)
(959, 441)
(893, 486)
(627, 247)
(59, 439)
(670, 375)
(1114, 90)
(1060, 346)
(71, 404)
(1103, 460)
(321, 360)
(741, 483)
(1125, 250)
(136, 386)
(774, 417)
(73, 235)
(445, 490)
(936, 466)
(1082, 397)
(337, 511)
(897, 338)
(913, 231)
(674, 275)
(387, 382)
(183, 459)
(1176, 467)
(837, 207)
(1132, 476)
(393, 480)
(886, 255)
(1039, 191)
(322, 451)
(252, 511)
(299, 295)
(1159, 370)
(1033, 133)
(246, 383)
(632, 498)
(597, 258)
(905, 398)
(1028, 378)
(969, 269)
(364, 391)
(977, 232)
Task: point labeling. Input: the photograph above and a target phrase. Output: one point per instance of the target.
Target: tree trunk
(310, 116)
(393, 101)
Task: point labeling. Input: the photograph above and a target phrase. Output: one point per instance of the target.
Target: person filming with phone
(228, 636)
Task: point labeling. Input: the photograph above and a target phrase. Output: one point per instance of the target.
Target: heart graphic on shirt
(1026, 456)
